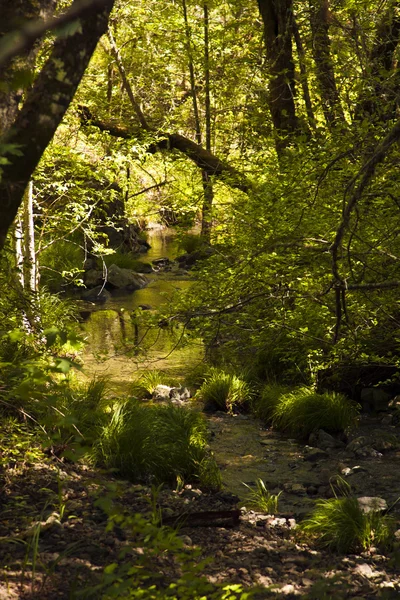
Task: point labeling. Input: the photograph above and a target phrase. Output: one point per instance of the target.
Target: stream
(111, 334)
(244, 449)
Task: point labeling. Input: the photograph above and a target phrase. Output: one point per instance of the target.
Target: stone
(161, 392)
(372, 504)
(179, 393)
(93, 277)
(96, 294)
(125, 279)
(326, 441)
(314, 454)
(387, 420)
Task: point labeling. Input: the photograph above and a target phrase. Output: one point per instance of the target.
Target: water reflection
(121, 343)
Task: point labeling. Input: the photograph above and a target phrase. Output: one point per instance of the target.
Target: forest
(199, 299)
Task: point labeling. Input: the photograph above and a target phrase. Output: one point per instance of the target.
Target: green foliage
(160, 443)
(190, 242)
(61, 264)
(138, 575)
(228, 392)
(260, 499)
(264, 404)
(123, 260)
(302, 411)
(341, 524)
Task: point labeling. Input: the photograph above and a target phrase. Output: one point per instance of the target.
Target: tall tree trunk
(277, 16)
(208, 196)
(304, 76)
(30, 267)
(379, 97)
(45, 106)
(206, 223)
(12, 13)
(321, 46)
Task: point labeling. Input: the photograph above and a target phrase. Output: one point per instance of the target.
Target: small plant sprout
(260, 499)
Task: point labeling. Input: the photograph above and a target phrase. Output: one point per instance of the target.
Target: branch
(202, 158)
(368, 171)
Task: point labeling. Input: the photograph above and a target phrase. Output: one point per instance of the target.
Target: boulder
(372, 504)
(93, 278)
(161, 392)
(96, 294)
(119, 278)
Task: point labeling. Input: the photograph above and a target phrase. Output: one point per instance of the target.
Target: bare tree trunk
(319, 11)
(379, 97)
(304, 76)
(30, 267)
(277, 16)
(206, 223)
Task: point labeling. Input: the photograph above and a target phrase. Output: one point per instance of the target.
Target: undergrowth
(302, 411)
(260, 499)
(160, 443)
(224, 391)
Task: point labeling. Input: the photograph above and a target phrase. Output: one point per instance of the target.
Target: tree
(33, 127)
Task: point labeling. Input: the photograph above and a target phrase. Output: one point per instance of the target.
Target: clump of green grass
(302, 411)
(145, 385)
(224, 390)
(263, 405)
(260, 499)
(159, 443)
(341, 524)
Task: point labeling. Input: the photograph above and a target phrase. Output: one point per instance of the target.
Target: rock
(145, 307)
(125, 278)
(143, 267)
(295, 488)
(90, 264)
(179, 394)
(93, 277)
(326, 441)
(96, 294)
(314, 454)
(387, 420)
(161, 392)
(161, 264)
(372, 504)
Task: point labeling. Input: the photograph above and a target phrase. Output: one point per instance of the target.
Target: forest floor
(54, 540)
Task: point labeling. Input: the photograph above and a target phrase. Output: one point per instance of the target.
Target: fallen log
(208, 518)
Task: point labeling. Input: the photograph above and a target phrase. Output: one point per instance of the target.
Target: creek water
(119, 349)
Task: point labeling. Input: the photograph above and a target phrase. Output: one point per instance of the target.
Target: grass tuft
(145, 385)
(341, 525)
(260, 499)
(263, 405)
(157, 443)
(224, 390)
(302, 411)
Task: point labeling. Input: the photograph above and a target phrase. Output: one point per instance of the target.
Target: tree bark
(319, 11)
(277, 18)
(380, 94)
(45, 106)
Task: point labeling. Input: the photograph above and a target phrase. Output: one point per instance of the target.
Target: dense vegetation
(272, 127)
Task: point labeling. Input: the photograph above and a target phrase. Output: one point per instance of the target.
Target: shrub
(161, 443)
(264, 404)
(224, 390)
(191, 242)
(340, 524)
(261, 499)
(302, 411)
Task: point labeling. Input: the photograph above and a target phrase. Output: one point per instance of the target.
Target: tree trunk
(319, 11)
(277, 16)
(45, 106)
(380, 95)
(30, 270)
